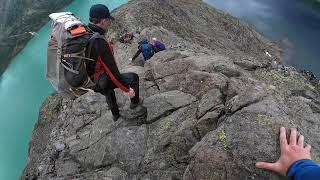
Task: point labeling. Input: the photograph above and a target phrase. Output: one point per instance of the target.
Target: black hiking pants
(105, 86)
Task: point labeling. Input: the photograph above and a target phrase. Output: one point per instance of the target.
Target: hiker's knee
(132, 76)
(135, 76)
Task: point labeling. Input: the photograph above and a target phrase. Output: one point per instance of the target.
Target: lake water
(294, 21)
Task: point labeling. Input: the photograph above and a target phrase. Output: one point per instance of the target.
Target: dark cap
(100, 11)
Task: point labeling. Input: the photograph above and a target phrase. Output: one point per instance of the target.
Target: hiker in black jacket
(104, 71)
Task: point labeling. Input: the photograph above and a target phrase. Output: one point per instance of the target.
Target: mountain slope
(17, 18)
(215, 102)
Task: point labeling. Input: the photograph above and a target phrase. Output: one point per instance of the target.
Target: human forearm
(304, 169)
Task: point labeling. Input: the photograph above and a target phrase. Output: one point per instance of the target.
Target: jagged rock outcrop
(214, 101)
(17, 18)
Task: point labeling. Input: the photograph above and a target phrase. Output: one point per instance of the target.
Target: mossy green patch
(164, 126)
(223, 138)
(264, 120)
(284, 81)
(147, 158)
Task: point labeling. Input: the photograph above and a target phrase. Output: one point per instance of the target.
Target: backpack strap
(92, 38)
(75, 55)
(89, 51)
(68, 66)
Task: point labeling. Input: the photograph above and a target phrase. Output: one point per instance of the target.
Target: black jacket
(101, 49)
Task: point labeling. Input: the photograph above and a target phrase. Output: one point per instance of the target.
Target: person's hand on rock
(290, 153)
(131, 93)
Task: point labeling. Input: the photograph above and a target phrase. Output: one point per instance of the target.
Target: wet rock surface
(212, 106)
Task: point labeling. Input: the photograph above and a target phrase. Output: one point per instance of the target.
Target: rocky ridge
(214, 104)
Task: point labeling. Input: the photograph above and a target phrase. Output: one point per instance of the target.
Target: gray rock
(209, 101)
(160, 104)
(237, 140)
(123, 147)
(170, 68)
(66, 168)
(116, 173)
(48, 119)
(213, 104)
(135, 69)
(208, 122)
(247, 96)
(151, 88)
(251, 63)
(59, 146)
(162, 130)
(89, 103)
(198, 83)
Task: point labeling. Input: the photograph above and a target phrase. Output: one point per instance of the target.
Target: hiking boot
(134, 105)
(116, 117)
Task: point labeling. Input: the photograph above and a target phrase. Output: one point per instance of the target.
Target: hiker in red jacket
(104, 71)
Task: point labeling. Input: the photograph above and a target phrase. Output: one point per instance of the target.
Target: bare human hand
(290, 153)
(131, 93)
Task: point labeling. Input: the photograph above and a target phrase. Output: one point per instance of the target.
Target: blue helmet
(145, 41)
